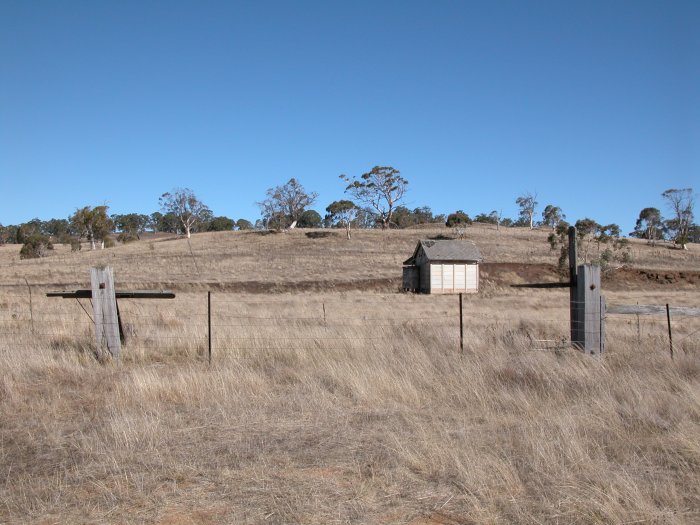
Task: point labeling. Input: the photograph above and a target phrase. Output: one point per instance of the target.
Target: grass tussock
(403, 430)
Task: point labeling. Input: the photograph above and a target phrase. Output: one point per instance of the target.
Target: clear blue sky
(595, 106)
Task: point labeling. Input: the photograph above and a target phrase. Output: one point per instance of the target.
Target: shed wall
(424, 272)
(452, 278)
(411, 278)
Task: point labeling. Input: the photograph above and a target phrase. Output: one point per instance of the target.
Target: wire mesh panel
(649, 328)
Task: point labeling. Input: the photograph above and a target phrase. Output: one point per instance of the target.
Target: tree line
(375, 200)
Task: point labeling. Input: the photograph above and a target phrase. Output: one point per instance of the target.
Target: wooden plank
(123, 294)
(652, 309)
(545, 286)
(144, 294)
(104, 306)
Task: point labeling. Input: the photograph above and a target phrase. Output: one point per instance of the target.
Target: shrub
(125, 237)
(35, 246)
(309, 219)
(457, 218)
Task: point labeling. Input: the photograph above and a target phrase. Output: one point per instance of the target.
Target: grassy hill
(332, 398)
(322, 259)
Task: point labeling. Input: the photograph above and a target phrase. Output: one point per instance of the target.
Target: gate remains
(109, 332)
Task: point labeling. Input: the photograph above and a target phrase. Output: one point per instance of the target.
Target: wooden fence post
(104, 307)
(573, 315)
(589, 315)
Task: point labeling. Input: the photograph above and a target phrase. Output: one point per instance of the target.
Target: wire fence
(672, 329)
(235, 326)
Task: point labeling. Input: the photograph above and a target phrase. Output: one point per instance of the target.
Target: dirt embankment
(636, 278)
(500, 274)
(616, 279)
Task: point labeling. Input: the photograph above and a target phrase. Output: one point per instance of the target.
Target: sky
(592, 106)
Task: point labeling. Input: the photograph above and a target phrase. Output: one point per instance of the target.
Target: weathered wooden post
(573, 316)
(104, 306)
(589, 312)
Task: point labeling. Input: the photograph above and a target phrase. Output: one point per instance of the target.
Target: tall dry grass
(370, 415)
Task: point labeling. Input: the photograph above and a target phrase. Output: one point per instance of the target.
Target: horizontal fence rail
(653, 309)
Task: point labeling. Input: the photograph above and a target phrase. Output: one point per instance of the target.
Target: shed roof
(447, 250)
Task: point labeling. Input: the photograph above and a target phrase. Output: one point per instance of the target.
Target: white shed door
(472, 276)
(460, 277)
(448, 279)
(436, 276)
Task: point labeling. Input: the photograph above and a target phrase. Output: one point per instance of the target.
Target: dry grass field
(333, 398)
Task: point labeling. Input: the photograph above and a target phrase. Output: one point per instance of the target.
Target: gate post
(573, 315)
(104, 307)
(589, 310)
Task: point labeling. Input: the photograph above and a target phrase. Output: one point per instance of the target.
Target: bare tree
(528, 204)
(496, 217)
(681, 202)
(285, 204)
(183, 203)
(381, 188)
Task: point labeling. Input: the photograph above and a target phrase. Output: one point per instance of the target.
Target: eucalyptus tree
(184, 204)
(681, 203)
(528, 205)
(342, 213)
(381, 188)
(285, 204)
(93, 224)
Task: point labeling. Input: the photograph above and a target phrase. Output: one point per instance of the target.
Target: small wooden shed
(443, 266)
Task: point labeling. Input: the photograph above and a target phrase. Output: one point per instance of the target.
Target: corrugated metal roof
(447, 250)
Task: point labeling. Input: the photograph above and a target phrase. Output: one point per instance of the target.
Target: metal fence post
(461, 325)
(670, 335)
(209, 322)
